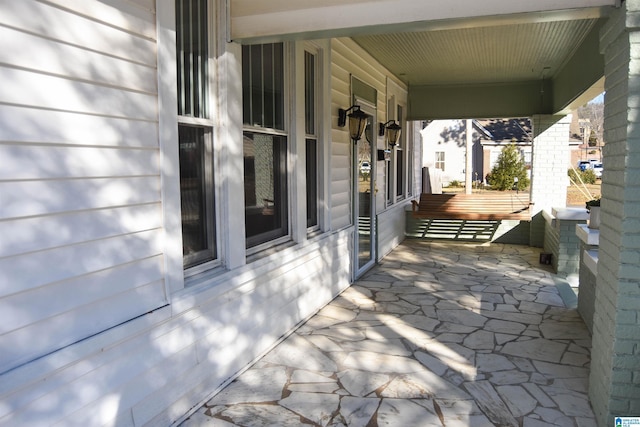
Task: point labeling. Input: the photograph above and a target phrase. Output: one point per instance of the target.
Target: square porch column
(614, 383)
(549, 164)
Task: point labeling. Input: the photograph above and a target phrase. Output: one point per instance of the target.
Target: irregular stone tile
(405, 387)
(382, 333)
(463, 317)
(507, 307)
(564, 330)
(586, 422)
(433, 364)
(570, 402)
(301, 376)
(538, 394)
(297, 352)
(530, 421)
(549, 298)
(554, 370)
(553, 417)
(376, 362)
(255, 385)
(527, 319)
(420, 322)
(342, 333)
(504, 338)
(578, 349)
(323, 343)
(386, 297)
(400, 307)
(338, 313)
(575, 359)
(493, 363)
(260, 416)
(360, 383)
(429, 311)
(402, 412)
(537, 349)
(454, 328)
(522, 296)
(436, 385)
(314, 387)
(491, 404)
(320, 322)
(480, 340)
(580, 385)
(508, 299)
(357, 411)
(316, 407)
(393, 347)
(517, 399)
(504, 327)
(456, 338)
(509, 377)
(461, 413)
(532, 307)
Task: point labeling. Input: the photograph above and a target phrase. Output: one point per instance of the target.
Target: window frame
(313, 137)
(200, 117)
(438, 161)
(254, 244)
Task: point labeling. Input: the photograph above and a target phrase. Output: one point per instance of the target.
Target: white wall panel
(31, 198)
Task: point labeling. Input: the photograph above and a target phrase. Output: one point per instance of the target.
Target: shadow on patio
(438, 334)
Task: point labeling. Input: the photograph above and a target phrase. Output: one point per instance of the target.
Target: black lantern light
(357, 121)
(393, 131)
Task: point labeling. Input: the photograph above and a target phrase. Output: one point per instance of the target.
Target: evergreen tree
(510, 165)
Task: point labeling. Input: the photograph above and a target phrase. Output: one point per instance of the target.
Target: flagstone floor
(438, 334)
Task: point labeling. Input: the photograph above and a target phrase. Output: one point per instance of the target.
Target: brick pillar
(614, 384)
(550, 161)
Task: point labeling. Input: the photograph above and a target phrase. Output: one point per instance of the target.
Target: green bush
(510, 165)
(455, 184)
(588, 176)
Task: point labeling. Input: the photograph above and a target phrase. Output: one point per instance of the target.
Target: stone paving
(438, 334)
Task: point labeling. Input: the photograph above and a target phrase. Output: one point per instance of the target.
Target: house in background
(176, 193)
(444, 145)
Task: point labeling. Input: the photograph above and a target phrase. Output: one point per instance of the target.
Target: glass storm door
(365, 199)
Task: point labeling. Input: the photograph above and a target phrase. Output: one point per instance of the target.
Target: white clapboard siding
(74, 62)
(347, 60)
(51, 162)
(37, 18)
(80, 201)
(31, 198)
(29, 125)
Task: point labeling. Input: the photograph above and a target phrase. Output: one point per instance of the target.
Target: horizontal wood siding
(80, 206)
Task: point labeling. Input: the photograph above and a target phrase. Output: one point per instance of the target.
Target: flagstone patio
(438, 334)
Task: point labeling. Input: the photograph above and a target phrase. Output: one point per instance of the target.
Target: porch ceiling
(481, 55)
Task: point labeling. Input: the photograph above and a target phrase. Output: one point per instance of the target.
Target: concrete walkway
(439, 334)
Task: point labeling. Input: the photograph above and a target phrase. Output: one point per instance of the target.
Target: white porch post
(549, 164)
(615, 356)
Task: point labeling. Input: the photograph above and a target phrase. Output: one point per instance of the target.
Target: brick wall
(614, 385)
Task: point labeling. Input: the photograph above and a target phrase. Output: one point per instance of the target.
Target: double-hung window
(195, 133)
(439, 163)
(265, 145)
(311, 138)
(400, 155)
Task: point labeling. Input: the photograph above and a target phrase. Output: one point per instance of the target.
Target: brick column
(614, 384)
(549, 164)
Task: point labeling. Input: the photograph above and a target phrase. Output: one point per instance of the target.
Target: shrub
(588, 176)
(455, 184)
(510, 166)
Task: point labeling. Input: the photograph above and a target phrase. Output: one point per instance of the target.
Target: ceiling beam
(480, 101)
(253, 21)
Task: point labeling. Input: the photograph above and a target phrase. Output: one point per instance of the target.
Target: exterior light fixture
(393, 131)
(357, 121)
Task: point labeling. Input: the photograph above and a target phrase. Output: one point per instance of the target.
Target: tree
(510, 166)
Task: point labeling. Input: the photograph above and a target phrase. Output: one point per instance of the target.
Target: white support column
(549, 164)
(615, 356)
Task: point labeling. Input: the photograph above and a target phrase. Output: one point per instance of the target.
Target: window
(264, 144)
(440, 160)
(400, 153)
(195, 133)
(311, 137)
